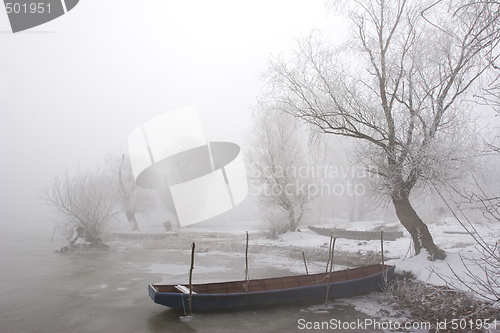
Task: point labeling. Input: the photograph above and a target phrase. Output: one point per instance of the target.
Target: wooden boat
(259, 293)
(360, 235)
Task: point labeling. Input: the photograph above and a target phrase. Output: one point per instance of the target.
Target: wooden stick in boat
(382, 245)
(190, 281)
(246, 259)
(245, 285)
(331, 266)
(305, 264)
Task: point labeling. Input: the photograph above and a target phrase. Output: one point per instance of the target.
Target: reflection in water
(168, 321)
(281, 319)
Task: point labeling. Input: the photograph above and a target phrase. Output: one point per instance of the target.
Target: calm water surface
(42, 291)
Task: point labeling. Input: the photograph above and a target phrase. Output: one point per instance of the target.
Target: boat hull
(359, 235)
(250, 300)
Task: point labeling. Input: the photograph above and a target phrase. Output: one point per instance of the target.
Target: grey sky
(74, 88)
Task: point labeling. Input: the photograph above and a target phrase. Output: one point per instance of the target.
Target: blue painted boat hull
(207, 302)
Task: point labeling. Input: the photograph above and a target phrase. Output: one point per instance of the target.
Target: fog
(73, 89)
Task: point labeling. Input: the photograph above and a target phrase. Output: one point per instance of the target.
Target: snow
(81, 241)
(448, 234)
(282, 255)
(303, 239)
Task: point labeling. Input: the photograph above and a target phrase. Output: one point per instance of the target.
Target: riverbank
(423, 287)
(106, 291)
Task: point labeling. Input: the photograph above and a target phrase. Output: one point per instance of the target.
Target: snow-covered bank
(425, 299)
(285, 251)
(220, 256)
(448, 235)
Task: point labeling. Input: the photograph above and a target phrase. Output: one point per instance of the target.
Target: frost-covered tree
(131, 198)
(84, 199)
(481, 194)
(490, 26)
(399, 86)
(278, 170)
(167, 203)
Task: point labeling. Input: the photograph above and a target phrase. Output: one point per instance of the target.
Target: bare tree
(279, 170)
(489, 30)
(132, 198)
(399, 86)
(85, 200)
(482, 274)
(167, 203)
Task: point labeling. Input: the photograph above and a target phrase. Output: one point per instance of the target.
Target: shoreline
(236, 243)
(285, 254)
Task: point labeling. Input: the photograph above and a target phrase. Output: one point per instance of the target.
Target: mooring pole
(331, 259)
(382, 245)
(329, 252)
(331, 266)
(305, 263)
(190, 281)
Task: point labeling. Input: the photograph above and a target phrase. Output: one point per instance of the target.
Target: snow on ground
(236, 227)
(461, 249)
(444, 272)
(447, 233)
(306, 238)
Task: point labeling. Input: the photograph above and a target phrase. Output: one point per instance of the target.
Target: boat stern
(152, 292)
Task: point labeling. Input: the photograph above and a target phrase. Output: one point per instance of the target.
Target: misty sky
(73, 89)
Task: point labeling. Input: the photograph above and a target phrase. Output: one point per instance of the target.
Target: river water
(43, 291)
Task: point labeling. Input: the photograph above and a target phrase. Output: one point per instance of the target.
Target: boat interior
(278, 283)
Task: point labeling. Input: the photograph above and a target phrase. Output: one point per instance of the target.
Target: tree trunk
(291, 219)
(417, 229)
(131, 219)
